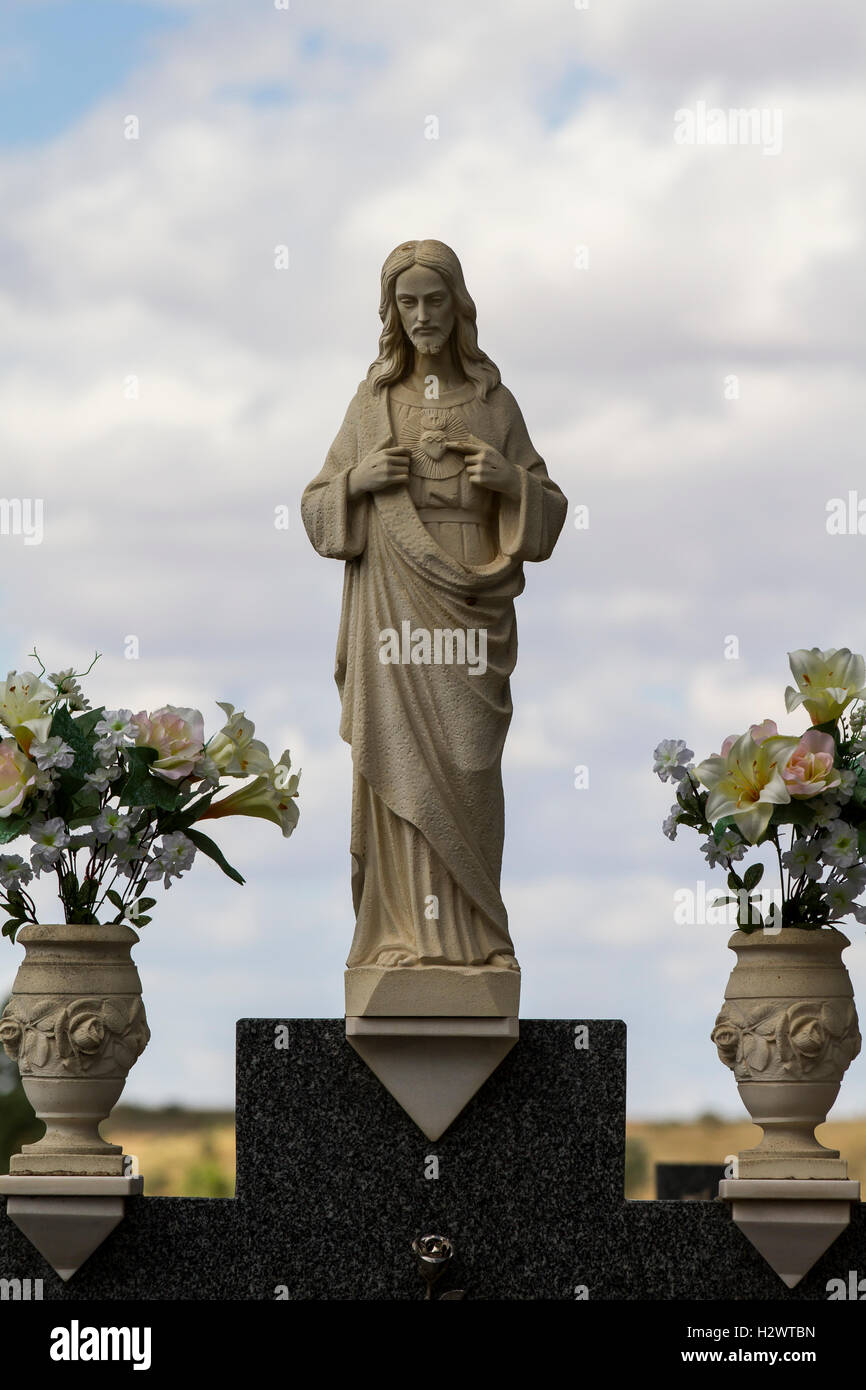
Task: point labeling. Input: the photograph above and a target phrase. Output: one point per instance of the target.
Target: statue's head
(429, 275)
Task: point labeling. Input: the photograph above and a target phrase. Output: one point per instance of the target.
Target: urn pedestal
(788, 1031)
(75, 1025)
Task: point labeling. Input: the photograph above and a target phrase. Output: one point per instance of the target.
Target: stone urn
(788, 1031)
(75, 1025)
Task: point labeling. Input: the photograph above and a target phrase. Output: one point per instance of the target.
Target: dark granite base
(688, 1182)
(332, 1191)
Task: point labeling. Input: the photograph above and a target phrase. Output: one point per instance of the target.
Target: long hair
(396, 353)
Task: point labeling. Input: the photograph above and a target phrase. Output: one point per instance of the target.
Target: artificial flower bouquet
(804, 794)
(109, 800)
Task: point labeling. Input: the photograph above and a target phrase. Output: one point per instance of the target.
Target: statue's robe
(427, 739)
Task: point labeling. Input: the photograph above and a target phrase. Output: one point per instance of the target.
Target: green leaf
(861, 840)
(734, 880)
(84, 805)
(141, 921)
(65, 727)
(186, 817)
(753, 875)
(114, 897)
(143, 904)
(213, 851)
(16, 906)
(752, 920)
(142, 789)
(87, 721)
(721, 826)
(794, 813)
(11, 927)
(12, 827)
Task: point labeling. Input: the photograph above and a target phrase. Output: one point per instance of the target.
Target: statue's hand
(486, 467)
(379, 469)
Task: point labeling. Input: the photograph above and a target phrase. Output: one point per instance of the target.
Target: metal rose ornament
(434, 1254)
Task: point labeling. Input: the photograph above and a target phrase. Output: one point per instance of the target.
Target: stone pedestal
(432, 1034)
(432, 991)
(790, 1222)
(67, 1218)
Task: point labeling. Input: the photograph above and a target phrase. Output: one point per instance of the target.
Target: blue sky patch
(58, 59)
(567, 93)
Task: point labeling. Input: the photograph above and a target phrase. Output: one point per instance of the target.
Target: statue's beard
(428, 346)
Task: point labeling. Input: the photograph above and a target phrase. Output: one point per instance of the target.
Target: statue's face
(426, 307)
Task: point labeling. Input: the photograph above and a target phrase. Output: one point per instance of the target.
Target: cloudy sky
(681, 323)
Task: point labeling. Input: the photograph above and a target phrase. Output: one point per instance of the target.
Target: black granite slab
(688, 1182)
(541, 1142)
(331, 1192)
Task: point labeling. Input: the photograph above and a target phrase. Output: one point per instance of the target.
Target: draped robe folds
(427, 739)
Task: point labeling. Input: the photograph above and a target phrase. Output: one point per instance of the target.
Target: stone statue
(434, 496)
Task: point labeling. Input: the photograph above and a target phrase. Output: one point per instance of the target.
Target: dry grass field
(180, 1154)
(187, 1154)
(711, 1140)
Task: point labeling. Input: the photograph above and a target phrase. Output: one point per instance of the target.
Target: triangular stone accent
(432, 1066)
(790, 1222)
(65, 1230)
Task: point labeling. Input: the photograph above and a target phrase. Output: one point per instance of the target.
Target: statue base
(432, 1034)
(432, 991)
(432, 1066)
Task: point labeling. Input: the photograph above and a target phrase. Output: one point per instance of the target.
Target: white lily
(271, 797)
(827, 682)
(23, 697)
(745, 781)
(234, 751)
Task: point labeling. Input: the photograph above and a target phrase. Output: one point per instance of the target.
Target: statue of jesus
(434, 496)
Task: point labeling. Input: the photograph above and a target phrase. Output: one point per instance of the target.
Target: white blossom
(14, 872)
(670, 759)
(728, 847)
(68, 687)
(172, 858)
(103, 776)
(52, 753)
(50, 839)
(115, 726)
(840, 845)
(112, 824)
(803, 859)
